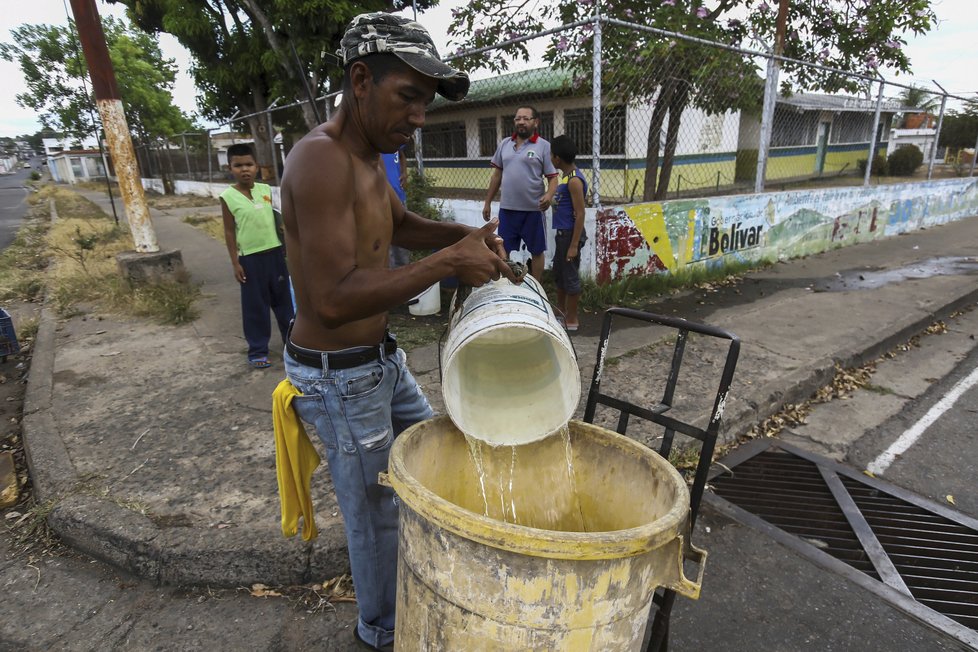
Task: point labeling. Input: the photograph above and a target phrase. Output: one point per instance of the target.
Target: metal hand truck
(662, 603)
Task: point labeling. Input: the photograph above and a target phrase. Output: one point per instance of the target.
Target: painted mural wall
(665, 236)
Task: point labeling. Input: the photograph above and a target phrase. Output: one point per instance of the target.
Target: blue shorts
(526, 226)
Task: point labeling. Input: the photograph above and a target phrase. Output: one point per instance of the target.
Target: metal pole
(770, 96)
(872, 136)
(209, 166)
(596, 110)
(114, 123)
(937, 136)
(419, 152)
(973, 157)
(271, 139)
(767, 120)
(186, 157)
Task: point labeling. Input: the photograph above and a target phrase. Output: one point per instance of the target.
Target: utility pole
(770, 96)
(114, 123)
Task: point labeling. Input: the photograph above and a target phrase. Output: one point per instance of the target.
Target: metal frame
(663, 602)
(891, 589)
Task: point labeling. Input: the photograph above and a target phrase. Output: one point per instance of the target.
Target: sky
(946, 54)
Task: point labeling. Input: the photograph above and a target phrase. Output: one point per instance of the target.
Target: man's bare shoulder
(316, 154)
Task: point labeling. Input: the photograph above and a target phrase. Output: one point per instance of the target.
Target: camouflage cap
(378, 32)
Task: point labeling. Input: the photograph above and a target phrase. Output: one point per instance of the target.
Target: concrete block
(139, 268)
(233, 557)
(108, 532)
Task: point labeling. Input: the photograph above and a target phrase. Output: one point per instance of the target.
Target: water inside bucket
(533, 485)
(505, 385)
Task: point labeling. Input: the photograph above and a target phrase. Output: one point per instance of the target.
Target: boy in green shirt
(257, 255)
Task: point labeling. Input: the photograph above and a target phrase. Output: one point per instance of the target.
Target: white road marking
(912, 434)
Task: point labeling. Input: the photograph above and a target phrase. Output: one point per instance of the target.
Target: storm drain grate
(912, 545)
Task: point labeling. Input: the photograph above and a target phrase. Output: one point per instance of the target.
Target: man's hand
(545, 202)
(239, 273)
(572, 252)
(481, 257)
(486, 212)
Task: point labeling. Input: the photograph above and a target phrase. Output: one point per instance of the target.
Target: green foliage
(960, 128)
(880, 166)
(245, 51)
(905, 161)
(57, 76)
(35, 176)
(420, 197)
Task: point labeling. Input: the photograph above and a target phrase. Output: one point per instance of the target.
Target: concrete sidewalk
(155, 442)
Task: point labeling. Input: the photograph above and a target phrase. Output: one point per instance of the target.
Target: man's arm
(341, 287)
(548, 196)
(231, 240)
(495, 181)
(576, 188)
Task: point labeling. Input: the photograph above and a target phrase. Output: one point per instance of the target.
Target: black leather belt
(342, 359)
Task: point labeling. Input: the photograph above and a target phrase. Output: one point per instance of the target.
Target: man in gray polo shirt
(520, 164)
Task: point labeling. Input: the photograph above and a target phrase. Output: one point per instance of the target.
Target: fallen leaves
(949, 498)
(262, 591)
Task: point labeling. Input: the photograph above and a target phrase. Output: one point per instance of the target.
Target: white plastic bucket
(426, 303)
(509, 372)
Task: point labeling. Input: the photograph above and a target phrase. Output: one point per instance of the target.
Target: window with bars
(546, 130)
(445, 140)
(791, 129)
(578, 124)
(851, 128)
(488, 136)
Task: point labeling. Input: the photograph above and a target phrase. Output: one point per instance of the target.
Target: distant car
(27, 166)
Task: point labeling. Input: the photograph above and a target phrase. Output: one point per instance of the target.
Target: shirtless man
(341, 216)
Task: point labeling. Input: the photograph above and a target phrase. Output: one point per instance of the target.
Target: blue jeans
(357, 413)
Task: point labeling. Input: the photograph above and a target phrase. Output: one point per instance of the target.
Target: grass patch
(212, 225)
(22, 264)
(639, 291)
(164, 202)
(83, 245)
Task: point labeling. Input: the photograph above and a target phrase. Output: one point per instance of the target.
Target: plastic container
(426, 303)
(509, 371)
(471, 582)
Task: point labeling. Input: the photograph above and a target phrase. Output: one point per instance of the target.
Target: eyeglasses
(521, 118)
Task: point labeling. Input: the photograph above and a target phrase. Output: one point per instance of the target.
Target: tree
(924, 101)
(677, 74)
(55, 72)
(262, 49)
(960, 128)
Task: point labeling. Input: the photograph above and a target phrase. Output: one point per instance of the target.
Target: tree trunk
(676, 107)
(652, 148)
(258, 125)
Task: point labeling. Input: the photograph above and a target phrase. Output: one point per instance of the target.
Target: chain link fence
(657, 115)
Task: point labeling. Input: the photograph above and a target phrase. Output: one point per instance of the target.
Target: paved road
(12, 203)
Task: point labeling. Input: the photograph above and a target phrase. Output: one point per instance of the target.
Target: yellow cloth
(295, 460)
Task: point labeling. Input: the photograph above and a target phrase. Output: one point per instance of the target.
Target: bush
(35, 175)
(880, 166)
(905, 161)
